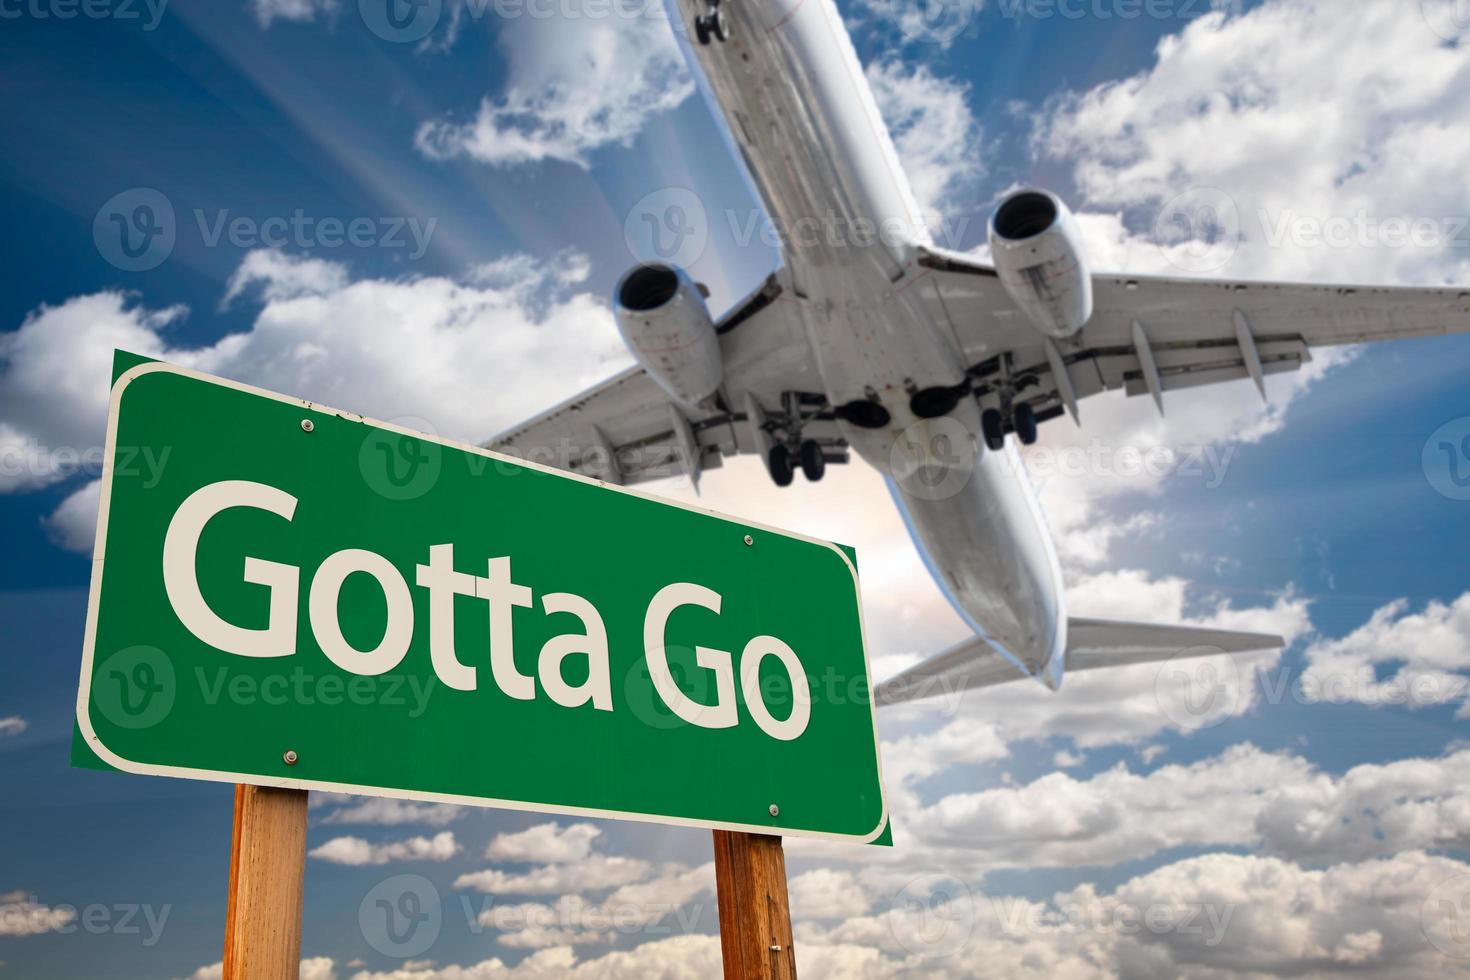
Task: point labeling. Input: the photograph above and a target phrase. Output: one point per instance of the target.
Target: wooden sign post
(267, 866)
(755, 918)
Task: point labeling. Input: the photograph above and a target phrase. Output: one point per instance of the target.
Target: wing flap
(1195, 328)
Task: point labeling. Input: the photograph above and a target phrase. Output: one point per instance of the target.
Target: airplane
(930, 364)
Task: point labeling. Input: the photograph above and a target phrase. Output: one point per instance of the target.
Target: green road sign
(302, 597)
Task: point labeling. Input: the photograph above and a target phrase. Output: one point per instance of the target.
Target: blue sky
(1327, 520)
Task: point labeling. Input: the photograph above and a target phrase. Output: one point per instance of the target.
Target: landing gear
(813, 462)
(778, 461)
(1023, 421)
(1012, 415)
(782, 464)
(993, 428)
(712, 26)
(787, 448)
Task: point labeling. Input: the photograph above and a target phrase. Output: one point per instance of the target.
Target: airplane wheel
(993, 429)
(1023, 418)
(701, 30)
(813, 463)
(719, 26)
(779, 463)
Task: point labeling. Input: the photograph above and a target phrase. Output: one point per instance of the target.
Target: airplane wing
(1153, 334)
(626, 430)
(1092, 644)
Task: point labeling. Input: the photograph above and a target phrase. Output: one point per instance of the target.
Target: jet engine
(666, 324)
(1035, 246)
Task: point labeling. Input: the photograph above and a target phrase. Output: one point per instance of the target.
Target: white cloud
(73, 525)
(381, 811)
(1397, 658)
(574, 919)
(546, 843)
(825, 894)
(356, 851)
(54, 373)
(268, 11)
(1212, 916)
(12, 725)
(934, 131)
(576, 83)
(22, 915)
(1063, 821)
(283, 277)
(416, 349)
(1371, 810)
(1290, 145)
(313, 968)
(592, 873)
(675, 958)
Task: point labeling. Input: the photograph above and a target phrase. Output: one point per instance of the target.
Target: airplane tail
(1092, 644)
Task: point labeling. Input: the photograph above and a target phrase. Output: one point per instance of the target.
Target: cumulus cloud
(313, 968)
(1397, 658)
(934, 131)
(1203, 120)
(356, 851)
(1210, 916)
(1215, 915)
(282, 277)
(54, 373)
(547, 843)
(574, 919)
(385, 812)
(12, 725)
(422, 350)
(22, 915)
(576, 83)
(675, 958)
(592, 873)
(268, 11)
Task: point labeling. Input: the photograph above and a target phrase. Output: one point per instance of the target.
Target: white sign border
(89, 641)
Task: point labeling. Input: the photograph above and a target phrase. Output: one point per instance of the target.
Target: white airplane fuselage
(790, 87)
